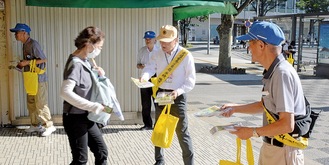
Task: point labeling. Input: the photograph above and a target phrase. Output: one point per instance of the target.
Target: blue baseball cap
(21, 27)
(265, 31)
(149, 34)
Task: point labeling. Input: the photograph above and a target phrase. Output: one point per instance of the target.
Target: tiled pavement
(129, 146)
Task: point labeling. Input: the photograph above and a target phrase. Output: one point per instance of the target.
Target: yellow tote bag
(164, 129)
(290, 59)
(31, 80)
(250, 155)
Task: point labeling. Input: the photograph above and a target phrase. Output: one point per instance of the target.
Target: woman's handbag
(31, 79)
(102, 92)
(164, 129)
(250, 155)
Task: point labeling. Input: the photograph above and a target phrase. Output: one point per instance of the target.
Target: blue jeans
(179, 110)
(83, 133)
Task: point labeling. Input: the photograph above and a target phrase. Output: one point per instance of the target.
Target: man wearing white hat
(180, 81)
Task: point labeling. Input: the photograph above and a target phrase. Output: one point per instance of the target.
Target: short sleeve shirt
(32, 50)
(78, 73)
(282, 90)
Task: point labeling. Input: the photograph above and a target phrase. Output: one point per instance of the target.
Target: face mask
(94, 53)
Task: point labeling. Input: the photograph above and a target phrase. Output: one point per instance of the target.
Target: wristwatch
(254, 133)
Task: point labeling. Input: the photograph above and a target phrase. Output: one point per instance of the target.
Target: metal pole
(208, 45)
(300, 42)
(257, 9)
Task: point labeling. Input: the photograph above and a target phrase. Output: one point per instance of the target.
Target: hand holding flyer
(212, 111)
(164, 98)
(229, 127)
(144, 84)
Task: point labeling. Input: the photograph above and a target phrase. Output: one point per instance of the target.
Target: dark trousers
(83, 133)
(147, 99)
(179, 110)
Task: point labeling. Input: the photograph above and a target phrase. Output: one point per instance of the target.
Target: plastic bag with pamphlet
(164, 98)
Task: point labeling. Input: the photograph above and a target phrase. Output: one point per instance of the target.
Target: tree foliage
(266, 5)
(185, 26)
(314, 6)
(225, 32)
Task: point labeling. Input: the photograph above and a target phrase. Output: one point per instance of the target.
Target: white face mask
(94, 53)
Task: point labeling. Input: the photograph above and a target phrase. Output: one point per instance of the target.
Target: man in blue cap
(143, 56)
(282, 98)
(36, 104)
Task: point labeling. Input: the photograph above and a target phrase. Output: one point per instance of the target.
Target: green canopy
(123, 3)
(194, 11)
(182, 8)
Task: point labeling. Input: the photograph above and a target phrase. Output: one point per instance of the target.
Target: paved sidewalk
(129, 146)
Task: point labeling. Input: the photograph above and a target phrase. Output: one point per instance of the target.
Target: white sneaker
(35, 129)
(48, 131)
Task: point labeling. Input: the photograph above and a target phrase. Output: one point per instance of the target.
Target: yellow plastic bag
(250, 155)
(31, 80)
(290, 59)
(164, 129)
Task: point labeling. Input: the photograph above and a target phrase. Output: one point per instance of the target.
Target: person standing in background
(143, 56)
(36, 104)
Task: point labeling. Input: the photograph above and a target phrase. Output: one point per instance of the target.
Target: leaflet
(211, 111)
(144, 84)
(229, 127)
(164, 98)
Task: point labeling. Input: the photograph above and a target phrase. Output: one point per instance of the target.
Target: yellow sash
(287, 139)
(157, 81)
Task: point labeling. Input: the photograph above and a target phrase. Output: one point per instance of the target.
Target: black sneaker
(159, 162)
(146, 128)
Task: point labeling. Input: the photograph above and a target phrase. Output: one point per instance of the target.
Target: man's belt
(165, 90)
(272, 141)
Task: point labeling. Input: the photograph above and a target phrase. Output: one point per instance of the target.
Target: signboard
(323, 49)
(247, 23)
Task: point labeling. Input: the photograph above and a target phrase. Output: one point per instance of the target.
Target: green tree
(185, 26)
(314, 6)
(266, 5)
(227, 21)
(225, 32)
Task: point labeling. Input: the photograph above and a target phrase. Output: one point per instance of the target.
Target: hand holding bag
(31, 79)
(164, 129)
(250, 155)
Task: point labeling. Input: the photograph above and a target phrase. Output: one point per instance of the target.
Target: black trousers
(179, 110)
(83, 133)
(147, 99)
